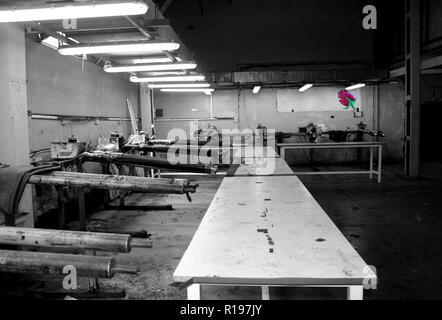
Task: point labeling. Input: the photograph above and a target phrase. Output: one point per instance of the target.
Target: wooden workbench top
(269, 231)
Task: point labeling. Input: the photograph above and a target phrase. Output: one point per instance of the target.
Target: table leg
(355, 293)
(194, 292)
(380, 164)
(283, 153)
(371, 163)
(265, 293)
(61, 208)
(81, 209)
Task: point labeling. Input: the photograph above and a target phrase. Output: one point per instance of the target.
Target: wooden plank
(269, 231)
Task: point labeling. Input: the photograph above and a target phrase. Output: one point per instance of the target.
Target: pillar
(146, 110)
(14, 136)
(412, 87)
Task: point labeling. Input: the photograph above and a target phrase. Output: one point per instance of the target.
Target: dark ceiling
(232, 35)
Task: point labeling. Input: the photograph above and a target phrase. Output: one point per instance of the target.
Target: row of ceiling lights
(169, 76)
(307, 86)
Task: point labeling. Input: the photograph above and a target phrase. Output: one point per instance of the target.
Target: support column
(412, 87)
(146, 110)
(14, 135)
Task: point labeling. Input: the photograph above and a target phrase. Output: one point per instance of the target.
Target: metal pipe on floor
(54, 264)
(61, 239)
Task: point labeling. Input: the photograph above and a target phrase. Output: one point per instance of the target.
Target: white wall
(249, 110)
(61, 85)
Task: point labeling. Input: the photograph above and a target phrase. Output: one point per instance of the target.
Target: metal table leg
(194, 292)
(380, 164)
(81, 209)
(355, 293)
(265, 293)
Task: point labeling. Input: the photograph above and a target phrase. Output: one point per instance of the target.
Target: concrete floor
(395, 226)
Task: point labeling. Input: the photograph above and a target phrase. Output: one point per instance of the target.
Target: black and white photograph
(220, 155)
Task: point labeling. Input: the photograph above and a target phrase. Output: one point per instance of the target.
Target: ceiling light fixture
(206, 91)
(122, 47)
(356, 86)
(146, 60)
(186, 78)
(151, 60)
(256, 89)
(151, 67)
(179, 85)
(305, 87)
(72, 10)
(164, 73)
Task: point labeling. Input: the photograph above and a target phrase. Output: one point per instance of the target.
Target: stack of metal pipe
(53, 263)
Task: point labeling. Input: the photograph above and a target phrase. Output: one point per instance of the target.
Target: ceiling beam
(426, 66)
(106, 24)
(42, 29)
(368, 75)
(148, 36)
(165, 6)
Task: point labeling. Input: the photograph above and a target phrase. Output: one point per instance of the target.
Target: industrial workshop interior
(239, 150)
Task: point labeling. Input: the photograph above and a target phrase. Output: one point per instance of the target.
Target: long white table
(269, 231)
(283, 147)
(263, 167)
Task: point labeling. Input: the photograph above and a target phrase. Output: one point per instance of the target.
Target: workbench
(342, 145)
(263, 167)
(254, 152)
(270, 232)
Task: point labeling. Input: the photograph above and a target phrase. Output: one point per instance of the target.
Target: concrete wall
(63, 85)
(392, 119)
(248, 110)
(382, 105)
(14, 142)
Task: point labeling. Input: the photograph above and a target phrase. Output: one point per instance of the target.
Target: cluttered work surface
(269, 231)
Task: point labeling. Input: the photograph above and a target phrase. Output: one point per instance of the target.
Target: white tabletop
(269, 231)
(263, 167)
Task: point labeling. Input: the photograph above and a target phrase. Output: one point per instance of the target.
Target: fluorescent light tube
(151, 60)
(179, 85)
(74, 10)
(168, 79)
(122, 47)
(305, 87)
(151, 67)
(165, 73)
(44, 117)
(206, 91)
(356, 86)
(256, 89)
